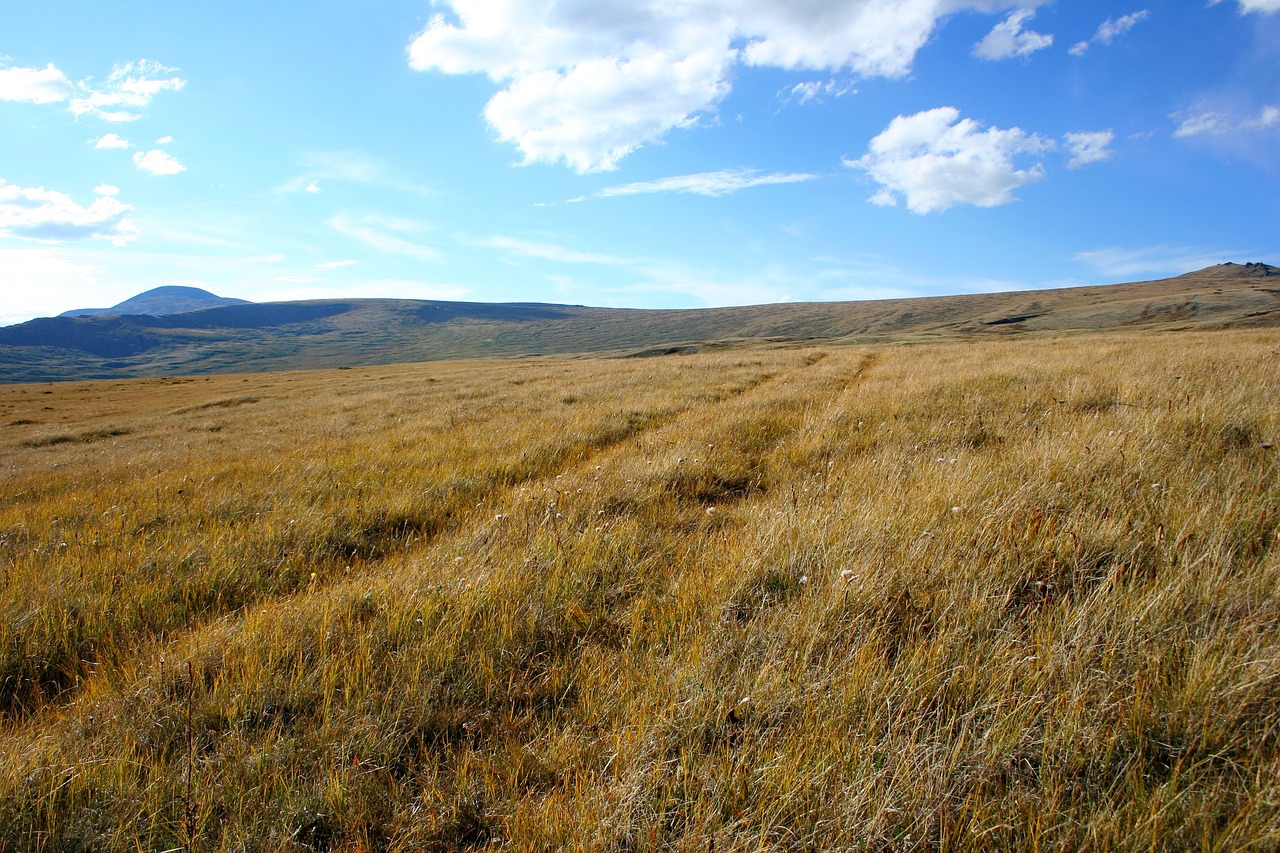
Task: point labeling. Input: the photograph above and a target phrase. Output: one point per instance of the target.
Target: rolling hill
(254, 337)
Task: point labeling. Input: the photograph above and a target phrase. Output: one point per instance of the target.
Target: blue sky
(639, 154)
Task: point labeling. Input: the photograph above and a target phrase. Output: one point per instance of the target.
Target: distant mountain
(250, 337)
(161, 301)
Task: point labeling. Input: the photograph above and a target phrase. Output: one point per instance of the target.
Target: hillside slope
(344, 333)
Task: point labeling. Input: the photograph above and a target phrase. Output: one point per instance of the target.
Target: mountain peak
(1232, 270)
(159, 301)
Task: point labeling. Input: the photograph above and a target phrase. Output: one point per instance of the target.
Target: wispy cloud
(1088, 147)
(1110, 30)
(347, 167)
(713, 184)
(816, 90)
(386, 234)
(1008, 39)
(333, 265)
(1161, 260)
(1211, 122)
(129, 88)
(1260, 7)
(543, 251)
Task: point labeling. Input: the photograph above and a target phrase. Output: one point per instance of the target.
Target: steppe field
(1019, 594)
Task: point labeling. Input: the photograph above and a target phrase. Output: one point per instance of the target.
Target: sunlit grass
(1011, 595)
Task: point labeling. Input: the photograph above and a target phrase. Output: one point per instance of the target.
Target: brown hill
(344, 333)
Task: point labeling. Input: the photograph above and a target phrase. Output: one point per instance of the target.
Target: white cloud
(34, 85)
(1220, 122)
(1264, 7)
(937, 160)
(1261, 7)
(128, 88)
(40, 214)
(313, 188)
(333, 265)
(1008, 38)
(164, 140)
(1111, 29)
(587, 83)
(111, 140)
(158, 162)
(1088, 147)
(713, 184)
(383, 233)
(106, 189)
(603, 109)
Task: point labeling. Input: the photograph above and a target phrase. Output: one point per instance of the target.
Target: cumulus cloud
(129, 87)
(1088, 147)
(1220, 122)
(111, 140)
(34, 85)
(586, 83)
(936, 160)
(1008, 39)
(1110, 30)
(36, 213)
(713, 184)
(603, 109)
(158, 162)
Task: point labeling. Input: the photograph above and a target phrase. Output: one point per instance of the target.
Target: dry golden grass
(1008, 595)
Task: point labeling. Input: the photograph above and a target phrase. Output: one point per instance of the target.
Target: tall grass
(1020, 595)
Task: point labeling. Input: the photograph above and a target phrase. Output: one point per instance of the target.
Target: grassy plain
(1015, 594)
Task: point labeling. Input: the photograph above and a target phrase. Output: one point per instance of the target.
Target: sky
(645, 154)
